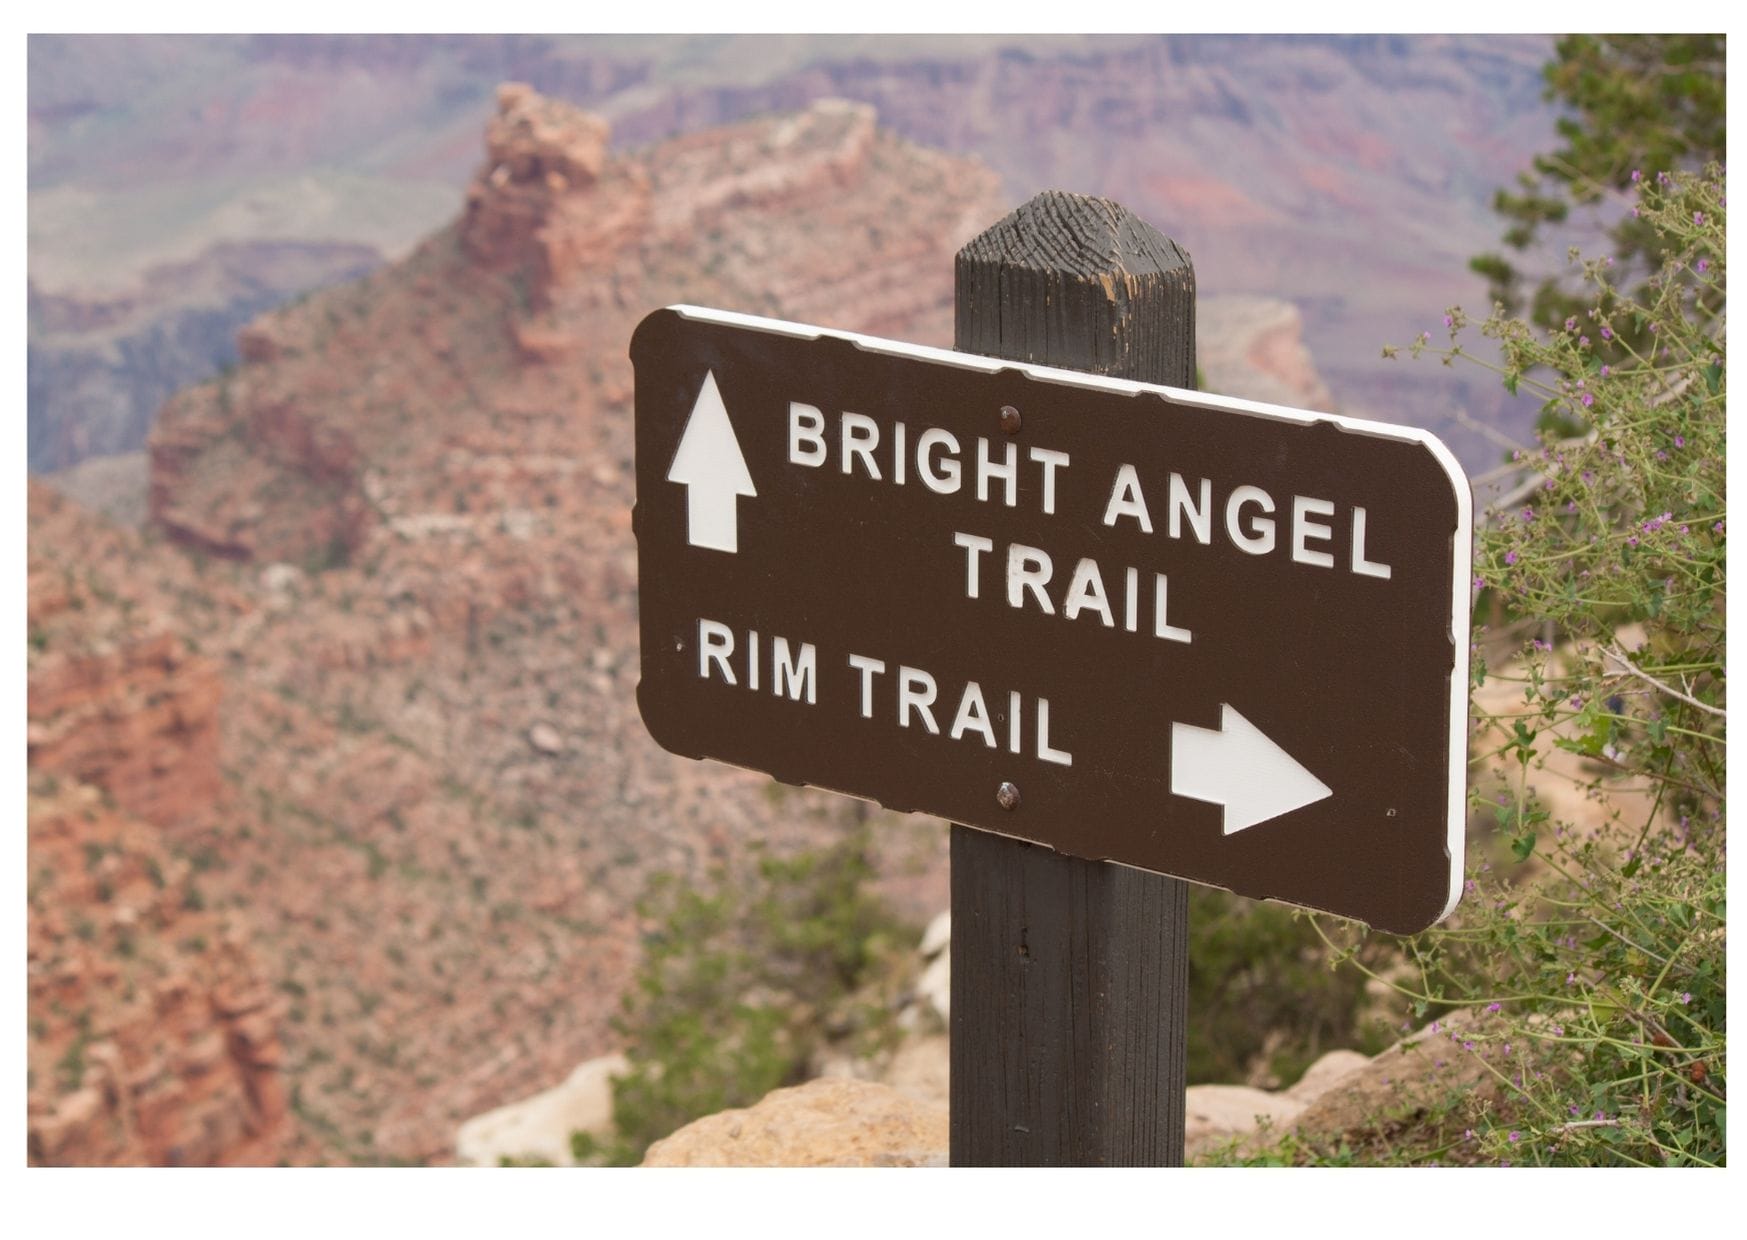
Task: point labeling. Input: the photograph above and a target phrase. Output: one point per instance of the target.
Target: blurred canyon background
(340, 809)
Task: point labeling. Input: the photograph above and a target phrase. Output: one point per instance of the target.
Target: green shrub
(1263, 1002)
(740, 982)
(1594, 942)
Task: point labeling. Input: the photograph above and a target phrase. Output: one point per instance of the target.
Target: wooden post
(1069, 977)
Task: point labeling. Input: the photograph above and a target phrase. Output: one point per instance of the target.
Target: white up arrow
(1240, 768)
(712, 470)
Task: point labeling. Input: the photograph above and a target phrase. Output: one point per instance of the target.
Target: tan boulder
(1446, 1057)
(539, 1127)
(1213, 1111)
(830, 1122)
(1326, 1072)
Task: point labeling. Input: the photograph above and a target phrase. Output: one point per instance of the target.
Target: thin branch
(1626, 665)
(1517, 494)
(1637, 947)
(1490, 432)
(1585, 1123)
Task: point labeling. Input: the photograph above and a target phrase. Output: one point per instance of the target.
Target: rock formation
(327, 430)
(540, 208)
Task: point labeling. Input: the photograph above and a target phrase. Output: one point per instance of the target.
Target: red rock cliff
(117, 697)
(153, 1032)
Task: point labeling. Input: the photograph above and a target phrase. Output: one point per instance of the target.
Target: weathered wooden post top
(1038, 587)
(1078, 282)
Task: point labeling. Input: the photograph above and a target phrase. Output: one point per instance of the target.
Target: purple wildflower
(1607, 333)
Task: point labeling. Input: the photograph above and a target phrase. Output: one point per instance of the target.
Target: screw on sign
(1200, 636)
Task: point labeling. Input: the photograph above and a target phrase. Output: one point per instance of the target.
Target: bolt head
(1009, 420)
(1007, 797)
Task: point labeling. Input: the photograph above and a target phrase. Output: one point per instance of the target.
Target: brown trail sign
(1204, 637)
(1198, 636)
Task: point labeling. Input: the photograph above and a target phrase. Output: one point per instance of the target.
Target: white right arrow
(1239, 768)
(710, 466)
